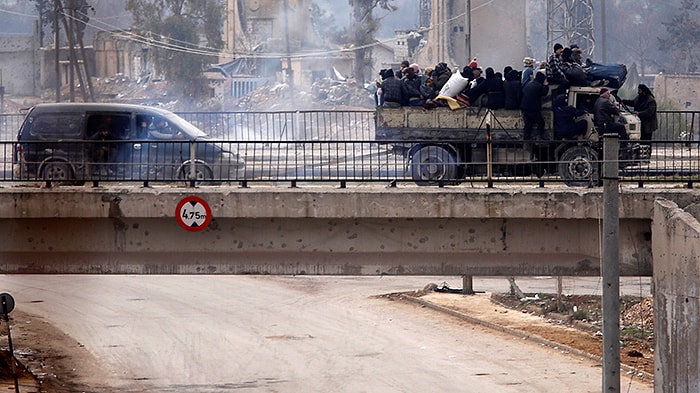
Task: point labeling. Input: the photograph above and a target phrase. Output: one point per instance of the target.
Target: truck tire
(432, 165)
(579, 166)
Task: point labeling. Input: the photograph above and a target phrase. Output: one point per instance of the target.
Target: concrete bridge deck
(323, 230)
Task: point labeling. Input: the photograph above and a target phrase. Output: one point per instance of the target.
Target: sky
(405, 17)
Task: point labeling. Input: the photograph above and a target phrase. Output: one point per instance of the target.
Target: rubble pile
(640, 315)
(325, 94)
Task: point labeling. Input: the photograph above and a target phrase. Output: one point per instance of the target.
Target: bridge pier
(468, 285)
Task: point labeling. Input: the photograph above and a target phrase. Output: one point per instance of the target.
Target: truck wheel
(432, 165)
(579, 166)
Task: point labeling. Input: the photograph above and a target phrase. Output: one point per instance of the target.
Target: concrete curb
(519, 333)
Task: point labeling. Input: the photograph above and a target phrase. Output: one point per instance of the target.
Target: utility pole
(56, 50)
(468, 29)
(603, 33)
(70, 28)
(611, 265)
(290, 72)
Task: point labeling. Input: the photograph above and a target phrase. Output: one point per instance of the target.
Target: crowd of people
(522, 90)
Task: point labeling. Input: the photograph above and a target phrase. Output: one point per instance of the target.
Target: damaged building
(269, 40)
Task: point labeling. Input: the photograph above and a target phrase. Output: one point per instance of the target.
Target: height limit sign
(193, 214)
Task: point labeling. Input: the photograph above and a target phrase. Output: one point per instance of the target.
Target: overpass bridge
(324, 230)
(281, 216)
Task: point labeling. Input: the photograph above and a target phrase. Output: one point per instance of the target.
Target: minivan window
(56, 125)
(117, 125)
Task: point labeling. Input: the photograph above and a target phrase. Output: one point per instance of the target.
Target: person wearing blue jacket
(531, 108)
(566, 125)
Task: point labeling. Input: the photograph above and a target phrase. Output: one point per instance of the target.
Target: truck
(444, 146)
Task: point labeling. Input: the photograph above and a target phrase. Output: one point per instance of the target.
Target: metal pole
(560, 289)
(603, 33)
(192, 174)
(6, 313)
(290, 72)
(56, 49)
(468, 23)
(611, 265)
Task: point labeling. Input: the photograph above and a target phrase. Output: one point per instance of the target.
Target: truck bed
(416, 123)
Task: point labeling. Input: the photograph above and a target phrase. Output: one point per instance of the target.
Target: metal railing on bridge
(333, 147)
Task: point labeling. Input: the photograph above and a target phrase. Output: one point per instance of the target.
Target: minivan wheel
(202, 173)
(57, 171)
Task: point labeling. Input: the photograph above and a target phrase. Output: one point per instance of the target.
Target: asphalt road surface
(296, 334)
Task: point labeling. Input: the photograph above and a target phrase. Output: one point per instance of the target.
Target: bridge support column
(468, 285)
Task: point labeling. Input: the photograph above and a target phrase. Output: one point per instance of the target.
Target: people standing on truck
(488, 93)
(402, 69)
(478, 78)
(568, 121)
(512, 90)
(379, 94)
(555, 70)
(576, 54)
(426, 87)
(575, 72)
(412, 83)
(393, 91)
(506, 70)
(644, 106)
(441, 74)
(531, 107)
(467, 74)
(528, 71)
(605, 114)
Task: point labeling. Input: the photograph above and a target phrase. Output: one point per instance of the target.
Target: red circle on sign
(193, 213)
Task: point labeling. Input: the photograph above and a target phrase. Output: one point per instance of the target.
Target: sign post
(8, 304)
(193, 214)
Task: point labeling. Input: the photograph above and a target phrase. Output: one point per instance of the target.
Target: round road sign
(7, 303)
(193, 213)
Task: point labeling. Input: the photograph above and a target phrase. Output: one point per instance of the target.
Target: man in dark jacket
(393, 91)
(531, 107)
(412, 82)
(491, 88)
(556, 70)
(441, 74)
(566, 126)
(644, 106)
(512, 90)
(604, 116)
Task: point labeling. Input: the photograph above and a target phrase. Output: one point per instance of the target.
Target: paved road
(295, 334)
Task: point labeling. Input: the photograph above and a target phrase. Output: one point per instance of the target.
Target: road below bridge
(222, 334)
(324, 230)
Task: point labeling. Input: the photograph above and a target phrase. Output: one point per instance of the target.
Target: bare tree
(636, 22)
(681, 39)
(177, 28)
(364, 27)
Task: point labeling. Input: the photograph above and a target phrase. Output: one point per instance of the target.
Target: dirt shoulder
(559, 331)
(50, 360)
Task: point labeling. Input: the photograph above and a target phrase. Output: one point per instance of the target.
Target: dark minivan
(92, 141)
